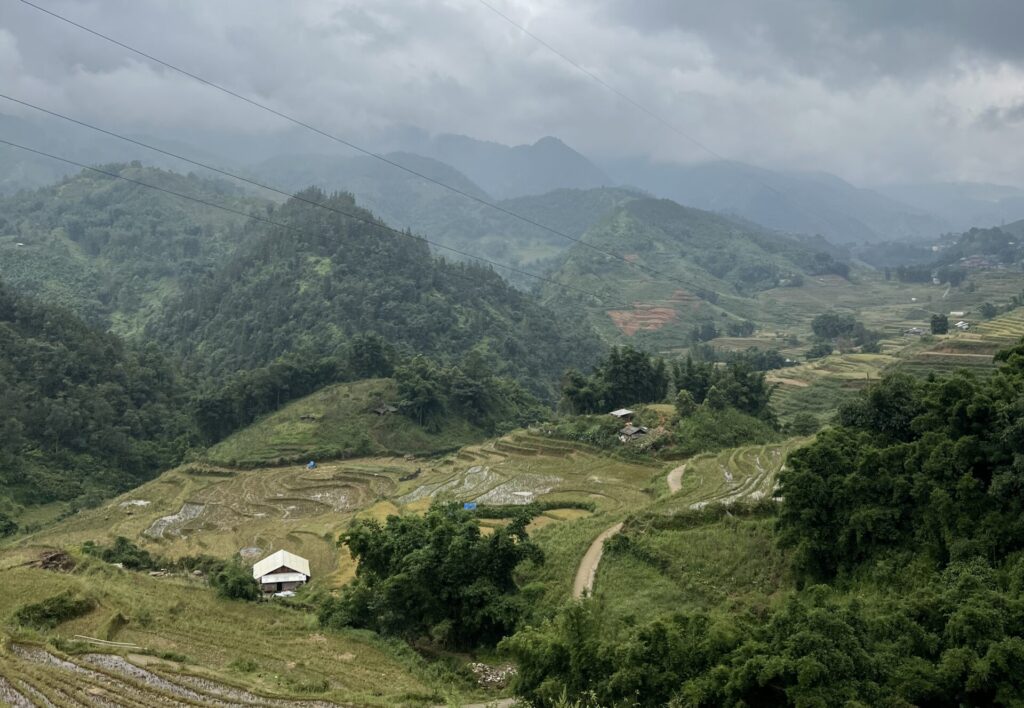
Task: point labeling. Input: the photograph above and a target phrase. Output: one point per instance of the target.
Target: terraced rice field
(221, 512)
(32, 676)
(1007, 328)
(739, 474)
(733, 560)
(175, 643)
(819, 387)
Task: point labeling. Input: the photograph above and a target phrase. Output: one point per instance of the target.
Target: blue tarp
(311, 465)
(469, 506)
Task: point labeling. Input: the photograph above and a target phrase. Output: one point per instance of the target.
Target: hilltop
(315, 278)
(706, 268)
(342, 421)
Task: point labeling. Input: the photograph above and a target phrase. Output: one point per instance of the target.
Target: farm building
(631, 432)
(623, 414)
(281, 571)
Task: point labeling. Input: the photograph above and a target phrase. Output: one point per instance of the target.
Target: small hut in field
(281, 571)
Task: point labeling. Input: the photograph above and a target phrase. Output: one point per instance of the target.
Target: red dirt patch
(646, 318)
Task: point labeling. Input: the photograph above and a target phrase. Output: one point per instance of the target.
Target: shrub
(235, 582)
(48, 613)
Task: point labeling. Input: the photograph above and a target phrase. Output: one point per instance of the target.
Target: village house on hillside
(281, 572)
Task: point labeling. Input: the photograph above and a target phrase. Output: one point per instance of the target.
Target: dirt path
(584, 581)
(675, 478)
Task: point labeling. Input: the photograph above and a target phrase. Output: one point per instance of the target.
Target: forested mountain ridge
(407, 201)
(316, 278)
(795, 202)
(81, 414)
(679, 267)
(111, 250)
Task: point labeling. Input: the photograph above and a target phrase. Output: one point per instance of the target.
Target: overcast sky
(873, 90)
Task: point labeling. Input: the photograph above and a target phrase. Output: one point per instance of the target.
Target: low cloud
(875, 91)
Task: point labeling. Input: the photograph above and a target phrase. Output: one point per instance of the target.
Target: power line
(643, 109)
(289, 227)
(357, 148)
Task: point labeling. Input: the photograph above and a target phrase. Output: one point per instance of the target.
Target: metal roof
(621, 412)
(281, 559)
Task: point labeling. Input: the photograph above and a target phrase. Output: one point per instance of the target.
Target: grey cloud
(841, 40)
(872, 90)
(997, 117)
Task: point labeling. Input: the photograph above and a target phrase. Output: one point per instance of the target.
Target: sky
(875, 91)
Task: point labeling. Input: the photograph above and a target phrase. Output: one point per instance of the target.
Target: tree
(235, 582)
(434, 576)
(832, 325)
(819, 350)
(940, 324)
(8, 527)
(685, 405)
(369, 356)
(421, 386)
(988, 310)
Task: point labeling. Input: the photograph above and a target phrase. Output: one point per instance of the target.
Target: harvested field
(642, 318)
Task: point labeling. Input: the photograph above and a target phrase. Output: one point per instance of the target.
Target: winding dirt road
(584, 582)
(675, 478)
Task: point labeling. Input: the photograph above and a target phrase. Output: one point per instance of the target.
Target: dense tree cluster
(909, 513)
(434, 576)
(738, 385)
(320, 279)
(80, 412)
(430, 391)
(626, 376)
(844, 330)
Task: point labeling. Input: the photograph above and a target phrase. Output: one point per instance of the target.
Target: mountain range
(793, 202)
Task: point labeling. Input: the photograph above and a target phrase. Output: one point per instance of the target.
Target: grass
(729, 563)
(284, 653)
(338, 421)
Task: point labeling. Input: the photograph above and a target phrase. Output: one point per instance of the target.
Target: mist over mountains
(813, 203)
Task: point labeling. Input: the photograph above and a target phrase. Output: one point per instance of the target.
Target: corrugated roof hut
(281, 571)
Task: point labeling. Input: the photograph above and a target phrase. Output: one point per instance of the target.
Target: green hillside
(706, 269)
(113, 251)
(450, 219)
(340, 421)
(81, 414)
(316, 278)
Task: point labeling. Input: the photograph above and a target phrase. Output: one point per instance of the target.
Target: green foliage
(940, 324)
(835, 326)
(111, 251)
(624, 377)
(8, 527)
(81, 413)
(710, 429)
(428, 392)
(322, 281)
(819, 350)
(737, 385)
(48, 613)
(434, 576)
(234, 581)
(929, 466)
(125, 552)
(529, 511)
(803, 424)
